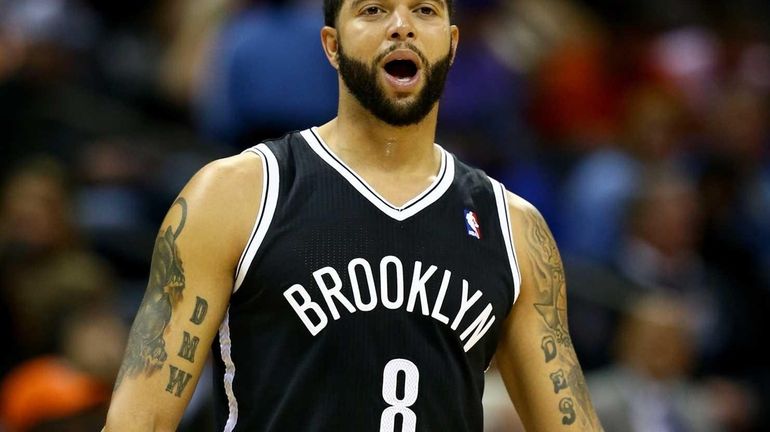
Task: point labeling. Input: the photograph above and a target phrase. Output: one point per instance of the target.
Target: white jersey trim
(400, 213)
(505, 228)
(270, 184)
(225, 345)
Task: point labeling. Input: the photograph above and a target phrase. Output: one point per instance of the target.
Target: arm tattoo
(201, 307)
(549, 348)
(559, 381)
(567, 407)
(556, 344)
(552, 300)
(177, 380)
(189, 345)
(146, 348)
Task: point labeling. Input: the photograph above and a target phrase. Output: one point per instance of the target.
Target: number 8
(399, 406)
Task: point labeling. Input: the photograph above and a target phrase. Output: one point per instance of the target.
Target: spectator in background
(734, 186)
(259, 83)
(651, 387)
(67, 391)
(45, 270)
(735, 182)
(659, 254)
(40, 41)
(114, 206)
(193, 27)
(574, 96)
(599, 187)
(658, 249)
(561, 90)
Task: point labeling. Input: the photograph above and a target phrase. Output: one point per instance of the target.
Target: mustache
(402, 45)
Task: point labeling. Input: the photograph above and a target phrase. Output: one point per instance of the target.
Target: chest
(341, 262)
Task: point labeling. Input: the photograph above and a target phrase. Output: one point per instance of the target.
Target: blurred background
(640, 129)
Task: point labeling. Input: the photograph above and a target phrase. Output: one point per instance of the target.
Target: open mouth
(402, 70)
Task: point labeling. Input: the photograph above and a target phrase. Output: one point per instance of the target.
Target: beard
(363, 83)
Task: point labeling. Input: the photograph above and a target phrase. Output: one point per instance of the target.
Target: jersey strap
(270, 183)
(267, 206)
(505, 228)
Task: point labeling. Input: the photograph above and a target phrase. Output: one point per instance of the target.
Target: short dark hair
(332, 11)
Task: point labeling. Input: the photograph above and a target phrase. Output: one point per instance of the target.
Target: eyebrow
(358, 2)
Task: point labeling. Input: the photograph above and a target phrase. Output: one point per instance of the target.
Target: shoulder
(527, 219)
(532, 237)
(223, 198)
(242, 164)
(225, 179)
(520, 209)
(535, 246)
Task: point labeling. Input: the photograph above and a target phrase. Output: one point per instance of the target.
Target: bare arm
(191, 279)
(536, 357)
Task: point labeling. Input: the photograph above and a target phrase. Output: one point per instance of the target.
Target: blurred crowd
(640, 129)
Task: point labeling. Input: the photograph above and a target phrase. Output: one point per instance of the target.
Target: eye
(372, 10)
(426, 10)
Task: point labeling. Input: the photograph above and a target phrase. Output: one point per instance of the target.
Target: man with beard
(356, 276)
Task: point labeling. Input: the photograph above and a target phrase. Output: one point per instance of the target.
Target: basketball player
(356, 276)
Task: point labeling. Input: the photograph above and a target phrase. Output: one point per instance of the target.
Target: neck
(361, 139)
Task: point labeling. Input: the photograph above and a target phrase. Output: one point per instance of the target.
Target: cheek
(438, 45)
(361, 41)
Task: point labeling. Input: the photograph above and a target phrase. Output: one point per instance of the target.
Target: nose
(401, 27)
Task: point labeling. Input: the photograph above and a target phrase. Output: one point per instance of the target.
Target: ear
(454, 32)
(330, 45)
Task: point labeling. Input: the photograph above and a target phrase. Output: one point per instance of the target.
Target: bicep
(189, 287)
(536, 356)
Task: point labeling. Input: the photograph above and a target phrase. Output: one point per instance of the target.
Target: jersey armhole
(267, 206)
(504, 217)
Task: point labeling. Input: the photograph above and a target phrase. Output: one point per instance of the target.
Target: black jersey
(352, 314)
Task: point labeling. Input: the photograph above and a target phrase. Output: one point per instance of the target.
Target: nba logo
(472, 224)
